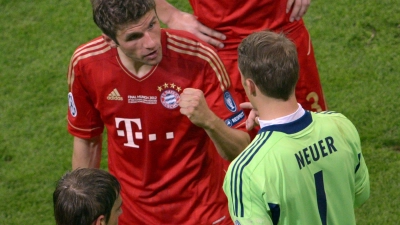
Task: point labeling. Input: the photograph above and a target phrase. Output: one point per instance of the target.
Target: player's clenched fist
(194, 106)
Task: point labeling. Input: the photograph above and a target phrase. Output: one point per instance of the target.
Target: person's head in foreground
(87, 196)
(269, 61)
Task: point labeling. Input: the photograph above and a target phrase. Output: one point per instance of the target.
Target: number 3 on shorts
(315, 105)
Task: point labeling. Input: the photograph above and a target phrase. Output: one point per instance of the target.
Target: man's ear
(101, 220)
(251, 86)
(109, 41)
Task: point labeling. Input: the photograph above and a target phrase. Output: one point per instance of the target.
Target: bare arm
(299, 8)
(228, 141)
(179, 20)
(87, 152)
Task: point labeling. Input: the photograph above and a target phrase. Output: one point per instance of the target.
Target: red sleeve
(83, 118)
(220, 95)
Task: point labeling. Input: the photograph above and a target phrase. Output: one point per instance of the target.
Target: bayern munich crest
(169, 99)
(169, 95)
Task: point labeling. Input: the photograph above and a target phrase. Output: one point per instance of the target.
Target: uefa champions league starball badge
(169, 95)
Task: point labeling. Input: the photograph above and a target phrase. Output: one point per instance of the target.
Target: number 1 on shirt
(321, 196)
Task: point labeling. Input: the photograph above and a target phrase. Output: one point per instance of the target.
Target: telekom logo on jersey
(131, 136)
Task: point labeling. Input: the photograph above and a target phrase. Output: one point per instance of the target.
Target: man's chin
(153, 62)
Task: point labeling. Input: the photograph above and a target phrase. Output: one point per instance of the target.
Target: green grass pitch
(356, 43)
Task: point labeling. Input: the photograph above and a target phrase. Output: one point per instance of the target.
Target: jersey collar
(292, 127)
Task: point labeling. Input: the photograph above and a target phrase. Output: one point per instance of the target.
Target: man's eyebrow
(136, 35)
(154, 18)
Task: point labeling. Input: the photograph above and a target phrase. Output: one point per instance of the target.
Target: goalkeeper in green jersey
(302, 167)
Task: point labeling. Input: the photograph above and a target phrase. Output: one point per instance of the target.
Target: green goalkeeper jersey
(309, 171)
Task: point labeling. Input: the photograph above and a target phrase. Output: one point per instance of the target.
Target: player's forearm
(165, 11)
(87, 152)
(228, 141)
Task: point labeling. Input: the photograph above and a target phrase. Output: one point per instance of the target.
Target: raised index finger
(246, 105)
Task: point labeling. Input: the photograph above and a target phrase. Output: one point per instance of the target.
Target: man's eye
(152, 24)
(134, 37)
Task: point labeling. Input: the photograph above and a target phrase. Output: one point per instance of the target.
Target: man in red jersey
(224, 23)
(160, 93)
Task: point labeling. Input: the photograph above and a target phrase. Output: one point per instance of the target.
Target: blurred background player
(224, 23)
(302, 167)
(165, 99)
(87, 196)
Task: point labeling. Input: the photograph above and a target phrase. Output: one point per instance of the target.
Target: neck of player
(138, 69)
(270, 108)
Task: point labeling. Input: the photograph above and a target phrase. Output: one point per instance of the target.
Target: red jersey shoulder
(94, 50)
(184, 47)
(88, 53)
(189, 36)
(182, 44)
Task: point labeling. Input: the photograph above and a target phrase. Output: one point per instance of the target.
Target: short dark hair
(111, 15)
(81, 196)
(271, 61)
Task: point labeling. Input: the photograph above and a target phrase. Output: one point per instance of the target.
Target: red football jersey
(169, 169)
(237, 19)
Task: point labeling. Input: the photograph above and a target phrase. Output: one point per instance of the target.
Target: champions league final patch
(229, 102)
(169, 95)
(71, 104)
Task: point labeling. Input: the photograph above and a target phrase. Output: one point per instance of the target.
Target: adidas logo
(114, 95)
